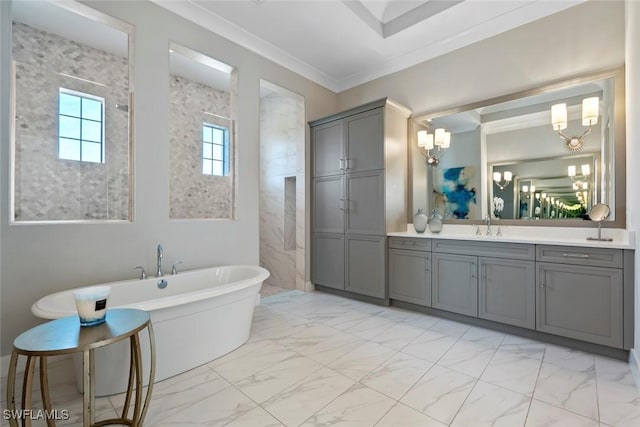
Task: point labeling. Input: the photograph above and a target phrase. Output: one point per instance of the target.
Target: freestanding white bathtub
(199, 316)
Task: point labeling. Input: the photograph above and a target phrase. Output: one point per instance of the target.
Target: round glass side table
(66, 336)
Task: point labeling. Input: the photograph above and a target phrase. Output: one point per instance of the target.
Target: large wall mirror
(72, 103)
(201, 136)
(541, 157)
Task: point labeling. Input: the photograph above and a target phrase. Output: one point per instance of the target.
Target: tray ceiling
(341, 44)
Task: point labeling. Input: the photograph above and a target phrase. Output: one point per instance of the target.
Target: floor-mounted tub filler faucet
(159, 268)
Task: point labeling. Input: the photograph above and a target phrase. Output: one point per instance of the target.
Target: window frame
(80, 140)
(225, 149)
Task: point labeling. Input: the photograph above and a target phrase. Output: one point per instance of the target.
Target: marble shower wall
(282, 249)
(49, 188)
(191, 193)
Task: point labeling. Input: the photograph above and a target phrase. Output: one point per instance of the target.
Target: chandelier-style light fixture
(590, 111)
(434, 144)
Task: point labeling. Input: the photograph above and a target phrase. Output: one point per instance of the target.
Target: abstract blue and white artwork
(455, 192)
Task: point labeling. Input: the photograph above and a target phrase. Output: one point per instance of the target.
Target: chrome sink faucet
(159, 268)
(488, 219)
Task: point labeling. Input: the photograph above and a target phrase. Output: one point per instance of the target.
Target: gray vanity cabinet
(506, 291)
(489, 280)
(410, 276)
(455, 283)
(581, 302)
(581, 293)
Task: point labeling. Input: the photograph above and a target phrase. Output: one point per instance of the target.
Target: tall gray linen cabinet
(358, 195)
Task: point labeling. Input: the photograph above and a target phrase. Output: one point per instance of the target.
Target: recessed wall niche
(71, 100)
(201, 136)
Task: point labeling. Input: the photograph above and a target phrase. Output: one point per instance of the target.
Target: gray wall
(192, 194)
(40, 259)
(49, 188)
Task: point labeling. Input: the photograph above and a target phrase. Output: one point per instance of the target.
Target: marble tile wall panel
(49, 188)
(282, 213)
(191, 193)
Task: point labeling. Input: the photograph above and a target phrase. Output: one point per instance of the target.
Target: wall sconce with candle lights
(434, 144)
(590, 111)
(502, 180)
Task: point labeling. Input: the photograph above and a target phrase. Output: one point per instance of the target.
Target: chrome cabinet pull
(348, 159)
(341, 164)
(582, 256)
(342, 208)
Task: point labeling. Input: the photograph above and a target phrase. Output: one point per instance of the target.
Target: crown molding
(203, 17)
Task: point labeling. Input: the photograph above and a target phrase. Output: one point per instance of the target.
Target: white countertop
(568, 236)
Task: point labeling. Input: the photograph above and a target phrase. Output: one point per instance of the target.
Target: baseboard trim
(358, 297)
(634, 364)
(309, 287)
(612, 352)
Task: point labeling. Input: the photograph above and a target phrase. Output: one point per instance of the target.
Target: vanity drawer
(600, 257)
(410, 243)
(521, 251)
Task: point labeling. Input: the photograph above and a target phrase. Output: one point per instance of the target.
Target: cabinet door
(455, 283)
(365, 141)
(365, 203)
(507, 290)
(410, 276)
(329, 204)
(580, 302)
(366, 271)
(327, 268)
(327, 145)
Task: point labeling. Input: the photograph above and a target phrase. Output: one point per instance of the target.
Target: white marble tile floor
(316, 359)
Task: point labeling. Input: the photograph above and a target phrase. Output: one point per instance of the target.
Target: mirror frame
(619, 177)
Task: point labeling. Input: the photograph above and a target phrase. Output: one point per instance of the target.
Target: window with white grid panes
(80, 127)
(215, 150)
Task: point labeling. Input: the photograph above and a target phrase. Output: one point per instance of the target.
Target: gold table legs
(135, 382)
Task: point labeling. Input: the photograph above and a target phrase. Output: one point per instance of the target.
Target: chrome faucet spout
(488, 219)
(159, 267)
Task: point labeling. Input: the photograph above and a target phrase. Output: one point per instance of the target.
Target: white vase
(420, 221)
(435, 222)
